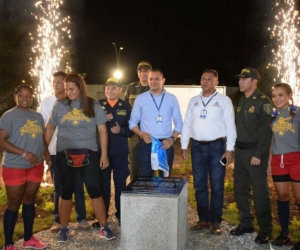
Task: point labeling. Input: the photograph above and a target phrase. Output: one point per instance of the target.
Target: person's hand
(167, 143)
(146, 137)
(116, 129)
(184, 154)
(255, 161)
(104, 162)
(31, 158)
(109, 116)
(229, 157)
(48, 161)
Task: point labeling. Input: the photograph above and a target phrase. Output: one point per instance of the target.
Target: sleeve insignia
(268, 108)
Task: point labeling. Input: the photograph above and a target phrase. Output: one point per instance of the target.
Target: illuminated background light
(286, 37)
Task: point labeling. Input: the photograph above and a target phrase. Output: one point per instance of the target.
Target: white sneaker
(55, 227)
(83, 225)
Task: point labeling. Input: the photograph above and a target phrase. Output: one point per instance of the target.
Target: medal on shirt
(159, 119)
(203, 114)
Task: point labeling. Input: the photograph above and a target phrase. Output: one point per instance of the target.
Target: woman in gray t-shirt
(21, 138)
(284, 159)
(79, 119)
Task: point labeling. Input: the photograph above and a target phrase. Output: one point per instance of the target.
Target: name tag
(159, 120)
(203, 114)
(121, 112)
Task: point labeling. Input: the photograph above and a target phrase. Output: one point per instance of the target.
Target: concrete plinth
(154, 214)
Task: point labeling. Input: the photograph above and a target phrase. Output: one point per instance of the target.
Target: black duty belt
(245, 145)
(209, 142)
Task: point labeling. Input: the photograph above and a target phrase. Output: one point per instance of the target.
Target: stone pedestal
(154, 214)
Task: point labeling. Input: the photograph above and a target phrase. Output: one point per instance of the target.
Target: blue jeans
(78, 192)
(118, 163)
(206, 162)
(145, 159)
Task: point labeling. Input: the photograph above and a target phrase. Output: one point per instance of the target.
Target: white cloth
(219, 120)
(46, 107)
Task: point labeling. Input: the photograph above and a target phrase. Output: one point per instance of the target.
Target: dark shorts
(286, 167)
(17, 176)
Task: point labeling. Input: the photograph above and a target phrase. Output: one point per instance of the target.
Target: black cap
(144, 65)
(248, 72)
(112, 81)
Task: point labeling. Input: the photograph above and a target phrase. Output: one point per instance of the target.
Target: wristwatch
(231, 151)
(173, 138)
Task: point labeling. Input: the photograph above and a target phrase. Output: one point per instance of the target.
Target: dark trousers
(247, 178)
(90, 174)
(78, 192)
(145, 159)
(133, 156)
(206, 164)
(118, 164)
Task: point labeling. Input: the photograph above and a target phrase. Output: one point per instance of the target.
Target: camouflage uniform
(253, 140)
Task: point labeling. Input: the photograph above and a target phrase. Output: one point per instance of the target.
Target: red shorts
(286, 165)
(17, 176)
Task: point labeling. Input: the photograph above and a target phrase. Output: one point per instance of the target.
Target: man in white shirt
(46, 107)
(209, 121)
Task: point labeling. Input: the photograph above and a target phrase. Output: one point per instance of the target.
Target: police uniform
(133, 90)
(253, 140)
(117, 151)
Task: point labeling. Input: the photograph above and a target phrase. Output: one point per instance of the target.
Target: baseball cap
(144, 65)
(248, 72)
(113, 82)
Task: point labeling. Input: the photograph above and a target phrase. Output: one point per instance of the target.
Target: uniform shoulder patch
(268, 108)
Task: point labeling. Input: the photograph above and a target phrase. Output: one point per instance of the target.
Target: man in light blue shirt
(152, 116)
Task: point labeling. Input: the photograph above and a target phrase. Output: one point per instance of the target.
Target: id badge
(159, 120)
(203, 114)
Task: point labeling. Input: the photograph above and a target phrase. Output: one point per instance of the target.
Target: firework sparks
(49, 50)
(286, 57)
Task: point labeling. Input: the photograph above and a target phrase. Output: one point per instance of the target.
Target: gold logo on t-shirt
(282, 126)
(75, 116)
(32, 128)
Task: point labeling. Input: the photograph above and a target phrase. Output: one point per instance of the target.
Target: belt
(209, 142)
(245, 145)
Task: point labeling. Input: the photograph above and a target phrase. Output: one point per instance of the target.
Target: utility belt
(245, 145)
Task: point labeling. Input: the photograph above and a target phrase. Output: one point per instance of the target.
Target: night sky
(182, 38)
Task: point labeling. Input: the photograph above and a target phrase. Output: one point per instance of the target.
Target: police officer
(133, 90)
(253, 119)
(118, 113)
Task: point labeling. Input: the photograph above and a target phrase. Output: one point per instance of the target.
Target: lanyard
(208, 100)
(158, 108)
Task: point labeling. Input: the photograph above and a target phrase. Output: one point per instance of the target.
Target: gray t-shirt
(286, 132)
(75, 130)
(25, 131)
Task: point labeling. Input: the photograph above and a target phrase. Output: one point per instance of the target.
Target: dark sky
(182, 38)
